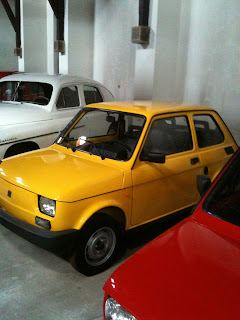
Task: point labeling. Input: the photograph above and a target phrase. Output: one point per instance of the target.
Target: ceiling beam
(143, 12)
(58, 10)
(16, 23)
(9, 12)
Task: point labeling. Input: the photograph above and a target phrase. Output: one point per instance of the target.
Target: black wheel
(20, 148)
(98, 245)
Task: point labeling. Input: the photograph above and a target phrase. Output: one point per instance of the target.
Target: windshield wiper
(94, 145)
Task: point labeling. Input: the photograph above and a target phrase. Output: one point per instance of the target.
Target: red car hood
(189, 272)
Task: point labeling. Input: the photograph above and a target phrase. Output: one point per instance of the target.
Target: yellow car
(115, 166)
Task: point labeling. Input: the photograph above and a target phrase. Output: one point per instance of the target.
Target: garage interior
(192, 55)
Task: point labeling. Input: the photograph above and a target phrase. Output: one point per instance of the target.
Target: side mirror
(203, 183)
(154, 157)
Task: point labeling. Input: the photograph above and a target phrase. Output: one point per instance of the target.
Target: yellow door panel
(214, 141)
(161, 188)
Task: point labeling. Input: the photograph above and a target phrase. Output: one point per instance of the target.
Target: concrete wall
(38, 34)
(80, 37)
(34, 35)
(8, 61)
(114, 54)
(213, 65)
(172, 43)
(197, 55)
(145, 63)
(193, 55)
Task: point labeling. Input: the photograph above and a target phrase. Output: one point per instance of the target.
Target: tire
(20, 148)
(98, 245)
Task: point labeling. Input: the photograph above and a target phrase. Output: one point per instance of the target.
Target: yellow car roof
(147, 108)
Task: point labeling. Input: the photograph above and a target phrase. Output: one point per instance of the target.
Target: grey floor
(37, 284)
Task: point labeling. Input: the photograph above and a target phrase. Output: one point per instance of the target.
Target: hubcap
(100, 246)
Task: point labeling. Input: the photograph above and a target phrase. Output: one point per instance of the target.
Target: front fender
(75, 214)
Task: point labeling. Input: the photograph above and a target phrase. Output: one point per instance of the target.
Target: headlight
(47, 206)
(114, 311)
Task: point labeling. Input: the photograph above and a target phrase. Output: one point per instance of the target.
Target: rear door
(215, 143)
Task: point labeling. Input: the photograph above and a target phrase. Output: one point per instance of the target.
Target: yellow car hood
(61, 176)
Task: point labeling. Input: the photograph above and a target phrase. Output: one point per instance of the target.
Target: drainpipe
(141, 33)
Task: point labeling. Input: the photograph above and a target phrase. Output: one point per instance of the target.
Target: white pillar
(21, 64)
(145, 59)
(78, 36)
(52, 57)
(8, 61)
(114, 53)
(171, 50)
(34, 35)
(63, 58)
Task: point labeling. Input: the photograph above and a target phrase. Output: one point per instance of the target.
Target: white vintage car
(35, 107)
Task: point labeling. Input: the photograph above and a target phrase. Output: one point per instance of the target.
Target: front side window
(207, 130)
(109, 134)
(68, 98)
(168, 136)
(22, 91)
(224, 200)
(92, 94)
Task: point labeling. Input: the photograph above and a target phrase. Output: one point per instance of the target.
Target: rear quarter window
(92, 94)
(207, 130)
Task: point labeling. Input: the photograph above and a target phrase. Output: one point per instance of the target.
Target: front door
(162, 188)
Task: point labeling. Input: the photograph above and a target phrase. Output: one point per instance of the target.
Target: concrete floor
(37, 284)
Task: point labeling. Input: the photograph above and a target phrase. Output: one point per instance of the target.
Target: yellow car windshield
(107, 133)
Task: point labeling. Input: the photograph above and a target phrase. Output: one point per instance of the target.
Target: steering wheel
(123, 144)
(41, 100)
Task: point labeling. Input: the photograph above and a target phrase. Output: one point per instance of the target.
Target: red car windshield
(224, 200)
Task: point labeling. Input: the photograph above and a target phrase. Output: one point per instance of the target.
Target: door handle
(229, 150)
(194, 160)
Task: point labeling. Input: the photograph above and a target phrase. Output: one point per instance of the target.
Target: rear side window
(68, 98)
(207, 130)
(169, 136)
(92, 94)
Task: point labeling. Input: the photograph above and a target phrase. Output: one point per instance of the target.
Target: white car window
(68, 98)
(92, 94)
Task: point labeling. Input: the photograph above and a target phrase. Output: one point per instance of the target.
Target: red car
(192, 271)
(6, 73)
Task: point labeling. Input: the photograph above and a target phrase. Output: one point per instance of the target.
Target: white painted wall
(171, 50)
(38, 35)
(145, 59)
(193, 55)
(8, 61)
(197, 55)
(80, 37)
(52, 56)
(213, 67)
(34, 35)
(114, 53)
